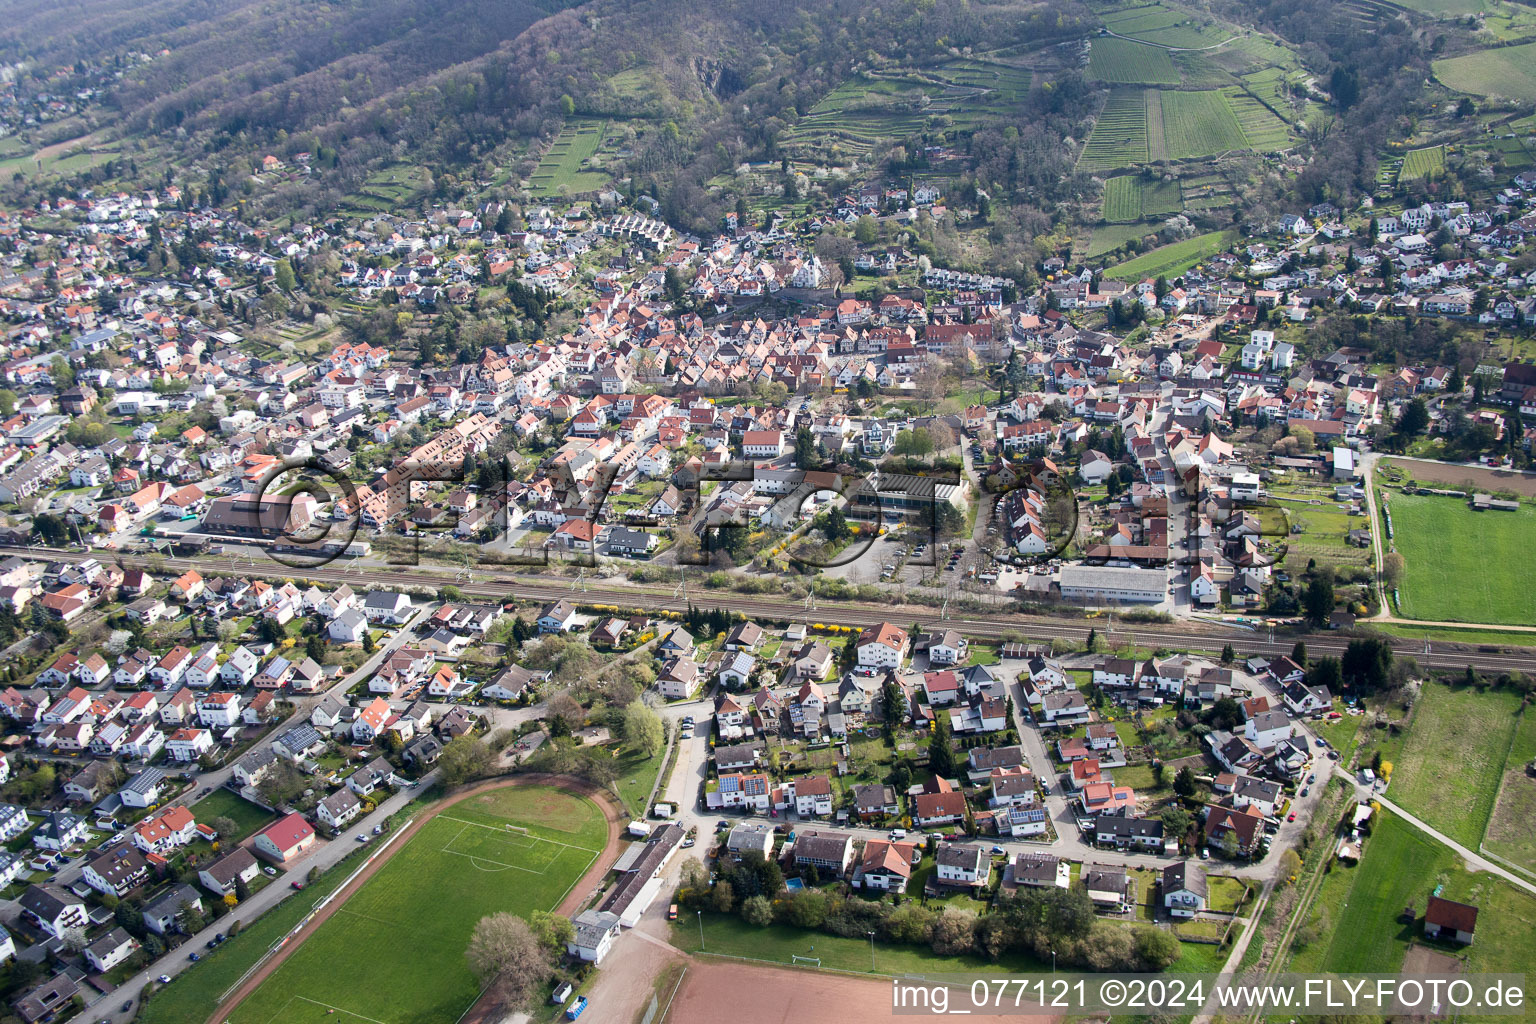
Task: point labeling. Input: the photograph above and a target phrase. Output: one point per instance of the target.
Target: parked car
(296, 884)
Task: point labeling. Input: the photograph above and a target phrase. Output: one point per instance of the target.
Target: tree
(1093, 640)
(464, 759)
(941, 751)
(191, 919)
(894, 701)
(1305, 439)
(808, 909)
(910, 923)
(564, 713)
(1158, 774)
(505, 953)
(53, 529)
(865, 230)
(1175, 820)
(7, 402)
(1317, 599)
(1326, 672)
(1414, 418)
(805, 449)
(1290, 864)
(1299, 653)
(1367, 663)
(643, 729)
(369, 644)
(225, 826)
(552, 930)
(723, 896)
(231, 900)
(916, 443)
(1184, 782)
(1228, 654)
(1156, 948)
(757, 911)
(954, 932)
(281, 784)
(283, 276)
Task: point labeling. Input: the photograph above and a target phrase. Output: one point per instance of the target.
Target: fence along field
(395, 949)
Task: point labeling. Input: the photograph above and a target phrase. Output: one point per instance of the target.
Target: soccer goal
(813, 960)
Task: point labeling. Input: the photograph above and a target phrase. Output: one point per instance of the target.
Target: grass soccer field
(1508, 71)
(1123, 61)
(1464, 566)
(395, 949)
(1477, 726)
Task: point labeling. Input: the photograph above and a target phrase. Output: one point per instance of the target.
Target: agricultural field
(1130, 197)
(1121, 61)
(862, 112)
(1166, 25)
(1109, 237)
(1199, 124)
(399, 940)
(1461, 565)
(1422, 163)
(1479, 726)
(1138, 126)
(1007, 82)
(1325, 528)
(1514, 152)
(1353, 925)
(1262, 129)
(1171, 260)
(1512, 825)
(1120, 135)
(1198, 69)
(565, 163)
(1509, 72)
(387, 190)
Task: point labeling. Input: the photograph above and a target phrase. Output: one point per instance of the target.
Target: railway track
(503, 585)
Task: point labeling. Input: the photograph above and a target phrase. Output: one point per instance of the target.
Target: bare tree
(505, 955)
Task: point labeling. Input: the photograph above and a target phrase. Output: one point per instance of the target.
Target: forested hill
(262, 64)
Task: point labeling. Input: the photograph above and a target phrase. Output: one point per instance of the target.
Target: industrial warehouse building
(1105, 584)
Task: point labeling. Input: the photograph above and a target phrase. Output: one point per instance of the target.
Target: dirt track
(613, 814)
(785, 995)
